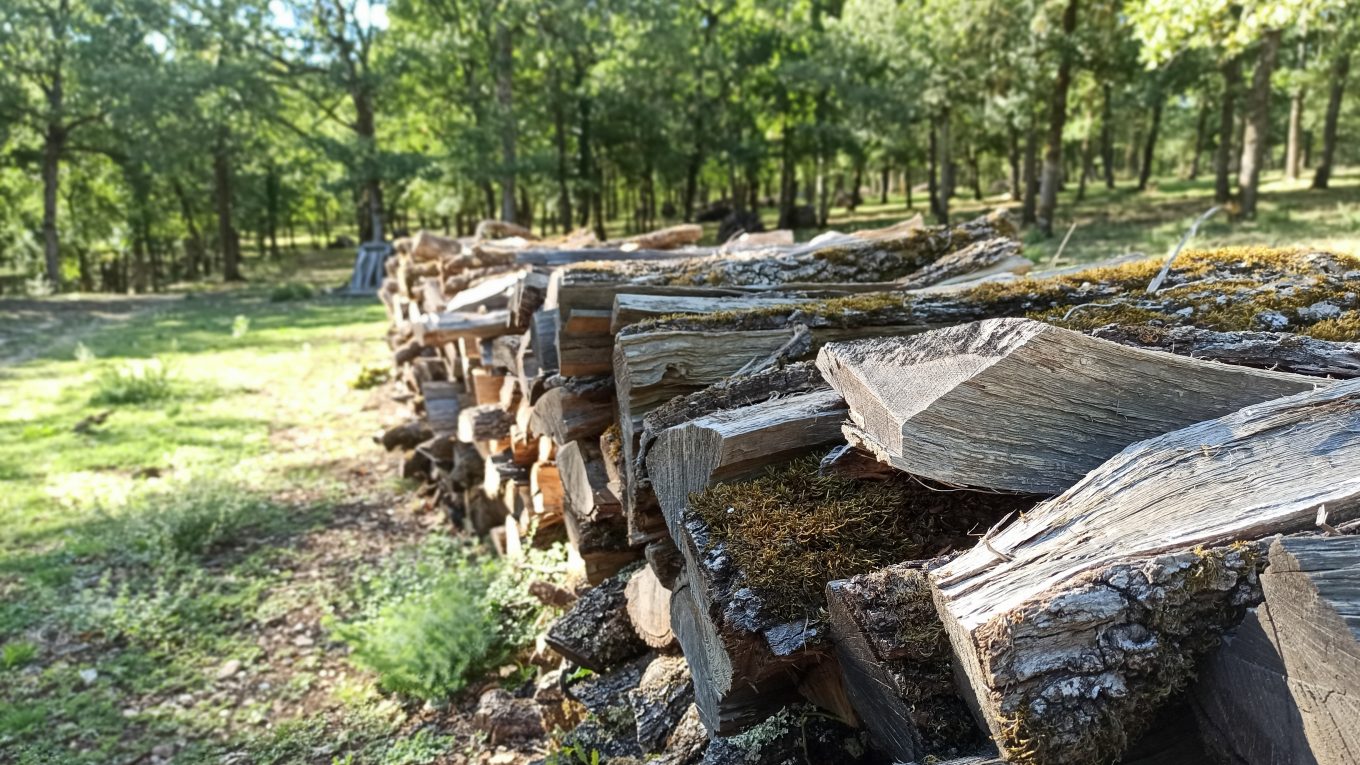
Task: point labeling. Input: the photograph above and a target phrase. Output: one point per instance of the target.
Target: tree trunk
(1057, 119)
(271, 208)
(932, 177)
(505, 64)
(1201, 125)
(53, 145)
(1294, 148)
(1232, 77)
(564, 212)
(886, 181)
(1340, 69)
(228, 241)
(1013, 158)
(1150, 146)
(1028, 214)
(1258, 124)
(946, 161)
(1107, 139)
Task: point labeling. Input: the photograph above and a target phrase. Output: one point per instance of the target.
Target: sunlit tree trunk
(1258, 124)
(1232, 76)
(1340, 70)
(1057, 120)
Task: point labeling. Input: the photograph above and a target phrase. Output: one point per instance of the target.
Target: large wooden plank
(1018, 405)
(1071, 624)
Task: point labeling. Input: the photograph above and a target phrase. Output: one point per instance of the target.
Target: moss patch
(791, 531)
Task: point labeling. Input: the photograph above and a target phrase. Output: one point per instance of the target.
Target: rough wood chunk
(1285, 685)
(487, 422)
(1017, 405)
(1280, 351)
(595, 632)
(983, 258)
(727, 444)
(660, 700)
(1071, 624)
(630, 308)
(581, 407)
(649, 607)
(594, 519)
(895, 657)
(441, 328)
(442, 406)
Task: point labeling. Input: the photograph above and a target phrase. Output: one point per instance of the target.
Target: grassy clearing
(1123, 220)
(193, 512)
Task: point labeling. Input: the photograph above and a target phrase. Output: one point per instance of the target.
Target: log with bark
(1279, 351)
(574, 408)
(1018, 405)
(486, 422)
(443, 406)
(987, 257)
(445, 327)
(1072, 624)
(1285, 685)
(594, 519)
(661, 698)
(595, 632)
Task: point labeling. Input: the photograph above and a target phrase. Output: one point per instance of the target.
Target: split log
(664, 558)
(662, 239)
(578, 408)
(543, 339)
(406, 435)
(442, 407)
(660, 700)
(593, 516)
(445, 327)
(504, 718)
(1017, 405)
(489, 294)
(487, 422)
(1074, 622)
(1283, 688)
(630, 308)
(486, 386)
(730, 443)
(501, 229)
(979, 259)
(1280, 351)
(895, 657)
(595, 632)
(649, 607)
(428, 247)
(527, 297)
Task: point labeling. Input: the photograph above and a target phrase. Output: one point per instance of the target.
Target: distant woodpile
(892, 499)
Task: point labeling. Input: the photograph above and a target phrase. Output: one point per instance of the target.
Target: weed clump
(371, 376)
(291, 291)
(792, 530)
(134, 382)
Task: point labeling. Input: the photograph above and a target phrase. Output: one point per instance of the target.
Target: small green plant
(573, 755)
(240, 326)
(371, 376)
(17, 654)
(83, 353)
(291, 291)
(134, 382)
(181, 523)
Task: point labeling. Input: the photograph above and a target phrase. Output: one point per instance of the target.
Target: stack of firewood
(886, 482)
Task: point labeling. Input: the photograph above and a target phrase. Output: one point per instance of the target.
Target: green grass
(226, 496)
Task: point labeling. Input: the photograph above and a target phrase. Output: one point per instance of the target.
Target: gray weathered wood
(1280, 351)
(1018, 405)
(446, 327)
(485, 422)
(981, 258)
(1074, 621)
(631, 308)
(649, 607)
(1286, 686)
(578, 407)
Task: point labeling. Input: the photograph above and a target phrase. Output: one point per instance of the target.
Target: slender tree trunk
(1086, 166)
(975, 173)
(1013, 157)
(1232, 76)
(1201, 127)
(788, 187)
(1340, 69)
(505, 63)
(1057, 119)
(932, 182)
(53, 146)
(193, 243)
(1107, 138)
(1258, 124)
(271, 210)
(1029, 207)
(906, 181)
(946, 161)
(226, 233)
(887, 181)
(1150, 146)
(1294, 148)
(855, 198)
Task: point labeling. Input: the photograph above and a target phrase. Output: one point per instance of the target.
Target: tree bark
(1340, 69)
(946, 161)
(564, 211)
(1232, 77)
(1013, 158)
(1201, 125)
(1258, 125)
(228, 240)
(1106, 138)
(53, 145)
(505, 63)
(1057, 119)
(1028, 209)
(1150, 146)
(1293, 154)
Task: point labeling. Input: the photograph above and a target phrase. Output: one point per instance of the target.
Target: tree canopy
(141, 141)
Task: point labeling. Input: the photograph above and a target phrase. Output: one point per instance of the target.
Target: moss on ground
(792, 530)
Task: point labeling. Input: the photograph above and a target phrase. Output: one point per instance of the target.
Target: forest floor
(173, 572)
(193, 508)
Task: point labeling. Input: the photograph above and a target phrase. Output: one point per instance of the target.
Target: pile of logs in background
(884, 497)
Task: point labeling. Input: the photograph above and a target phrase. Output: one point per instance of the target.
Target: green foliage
(240, 326)
(17, 653)
(573, 755)
(291, 291)
(134, 382)
(184, 523)
(434, 620)
(371, 376)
